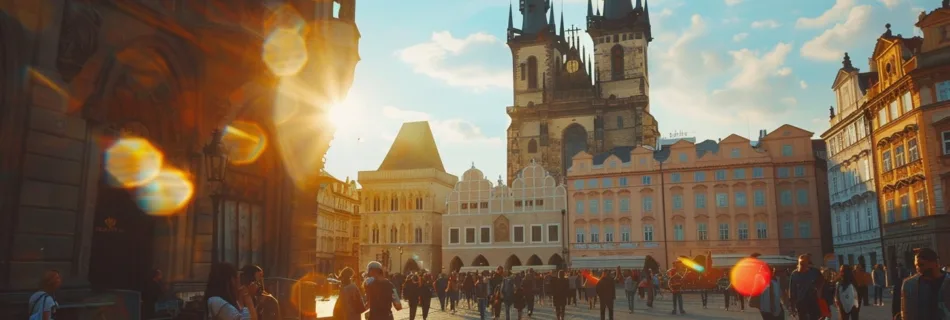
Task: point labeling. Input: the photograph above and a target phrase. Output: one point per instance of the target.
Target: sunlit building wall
(729, 198)
(337, 234)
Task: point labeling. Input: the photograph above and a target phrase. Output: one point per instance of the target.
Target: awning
(608, 262)
(547, 267)
(730, 260)
(477, 269)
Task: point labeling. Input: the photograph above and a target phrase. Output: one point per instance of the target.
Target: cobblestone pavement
(661, 310)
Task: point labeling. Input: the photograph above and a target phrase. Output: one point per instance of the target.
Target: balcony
(910, 170)
(866, 235)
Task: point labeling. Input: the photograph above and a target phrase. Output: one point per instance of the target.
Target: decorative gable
(788, 131)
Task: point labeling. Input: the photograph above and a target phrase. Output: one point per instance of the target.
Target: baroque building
(730, 198)
(517, 227)
(80, 75)
(403, 202)
(338, 222)
(854, 210)
(910, 116)
(566, 101)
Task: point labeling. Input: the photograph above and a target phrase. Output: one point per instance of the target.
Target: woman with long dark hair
(350, 304)
(846, 294)
(226, 298)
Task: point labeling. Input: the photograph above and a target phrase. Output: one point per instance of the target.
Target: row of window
(699, 200)
(852, 222)
(395, 204)
(484, 234)
(394, 235)
(900, 156)
(894, 110)
(847, 136)
(702, 232)
(904, 201)
(849, 176)
(699, 176)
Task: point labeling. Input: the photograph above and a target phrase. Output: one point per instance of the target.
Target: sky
(718, 67)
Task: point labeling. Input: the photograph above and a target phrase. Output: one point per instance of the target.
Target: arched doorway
(411, 266)
(512, 261)
(480, 261)
(575, 141)
(456, 264)
(557, 261)
(534, 261)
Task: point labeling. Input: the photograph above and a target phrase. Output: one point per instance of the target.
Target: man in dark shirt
(440, 285)
(924, 295)
(606, 291)
(804, 285)
(380, 293)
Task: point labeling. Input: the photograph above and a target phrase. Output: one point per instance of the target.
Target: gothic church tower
(566, 101)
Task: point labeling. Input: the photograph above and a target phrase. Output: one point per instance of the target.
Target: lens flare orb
(167, 194)
(750, 276)
(689, 263)
(285, 52)
(247, 142)
(133, 162)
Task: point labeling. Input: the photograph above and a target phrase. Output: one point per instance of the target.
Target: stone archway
(534, 260)
(557, 261)
(512, 261)
(574, 139)
(456, 264)
(480, 261)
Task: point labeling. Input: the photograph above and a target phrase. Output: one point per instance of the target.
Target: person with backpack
(508, 292)
(380, 293)
(846, 294)
(349, 305)
(42, 303)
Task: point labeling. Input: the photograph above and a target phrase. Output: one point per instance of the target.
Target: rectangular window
(889, 205)
(485, 235)
(783, 172)
(720, 175)
(608, 206)
(647, 204)
(609, 234)
(519, 234)
(802, 196)
(622, 181)
(787, 150)
(894, 109)
(469, 235)
(700, 201)
(594, 234)
(554, 233)
(761, 230)
(743, 232)
(882, 117)
(943, 91)
(579, 206)
(899, 156)
(759, 198)
(677, 202)
(785, 197)
(675, 177)
(799, 171)
(912, 153)
(608, 182)
(683, 157)
(678, 232)
(886, 160)
(454, 236)
(738, 174)
(536, 234)
(722, 200)
(580, 235)
(804, 230)
(740, 199)
(594, 206)
(648, 232)
(624, 205)
(592, 183)
(701, 232)
(646, 180)
(788, 230)
(945, 137)
(905, 206)
(906, 102)
(578, 184)
(723, 231)
(921, 197)
(625, 233)
(701, 176)
(758, 172)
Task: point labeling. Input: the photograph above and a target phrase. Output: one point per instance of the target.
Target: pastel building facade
(729, 198)
(519, 227)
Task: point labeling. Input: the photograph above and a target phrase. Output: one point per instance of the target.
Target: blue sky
(717, 67)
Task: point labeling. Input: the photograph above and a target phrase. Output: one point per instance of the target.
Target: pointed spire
(639, 4)
(551, 20)
(590, 8)
(598, 11)
(511, 19)
(562, 18)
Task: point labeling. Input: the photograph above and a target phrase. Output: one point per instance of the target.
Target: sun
(345, 115)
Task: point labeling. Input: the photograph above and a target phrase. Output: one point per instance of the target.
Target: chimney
(762, 134)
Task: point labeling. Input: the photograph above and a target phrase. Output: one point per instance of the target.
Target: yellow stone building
(566, 101)
(338, 221)
(520, 227)
(910, 116)
(403, 202)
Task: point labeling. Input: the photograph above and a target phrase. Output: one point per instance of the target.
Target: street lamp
(216, 167)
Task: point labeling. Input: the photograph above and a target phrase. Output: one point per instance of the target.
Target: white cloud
(838, 11)
(803, 84)
(830, 44)
(444, 130)
(890, 4)
(733, 2)
(429, 58)
(765, 24)
(740, 36)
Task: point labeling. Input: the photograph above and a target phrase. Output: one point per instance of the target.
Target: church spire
(551, 18)
(617, 9)
(534, 15)
(562, 18)
(639, 5)
(590, 9)
(511, 17)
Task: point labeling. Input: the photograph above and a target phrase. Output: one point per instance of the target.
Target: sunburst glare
(167, 194)
(132, 162)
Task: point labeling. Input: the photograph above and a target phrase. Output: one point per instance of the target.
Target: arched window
(376, 203)
(418, 203)
(394, 203)
(418, 235)
(616, 62)
(393, 235)
(375, 234)
(532, 72)
(532, 146)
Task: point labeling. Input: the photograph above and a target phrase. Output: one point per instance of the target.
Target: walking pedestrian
(452, 290)
(879, 281)
(925, 295)
(381, 294)
(482, 293)
(572, 286)
(43, 302)
(527, 288)
(847, 297)
(590, 290)
(607, 291)
(425, 293)
(769, 301)
(805, 289)
(561, 289)
(349, 305)
(440, 287)
(629, 287)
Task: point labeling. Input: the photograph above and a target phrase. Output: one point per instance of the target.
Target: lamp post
(216, 167)
(564, 250)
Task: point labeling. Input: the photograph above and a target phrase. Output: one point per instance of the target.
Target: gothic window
(394, 203)
(375, 234)
(616, 62)
(418, 203)
(418, 235)
(532, 72)
(393, 235)
(524, 71)
(532, 146)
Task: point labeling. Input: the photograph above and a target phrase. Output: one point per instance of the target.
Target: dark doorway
(534, 261)
(575, 141)
(456, 264)
(411, 266)
(121, 255)
(512, 261)
(557, 261)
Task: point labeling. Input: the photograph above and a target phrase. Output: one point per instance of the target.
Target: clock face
(573, 66)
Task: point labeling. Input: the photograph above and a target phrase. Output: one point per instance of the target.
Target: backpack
(508, 288)
(33, 304)
(848, 297)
